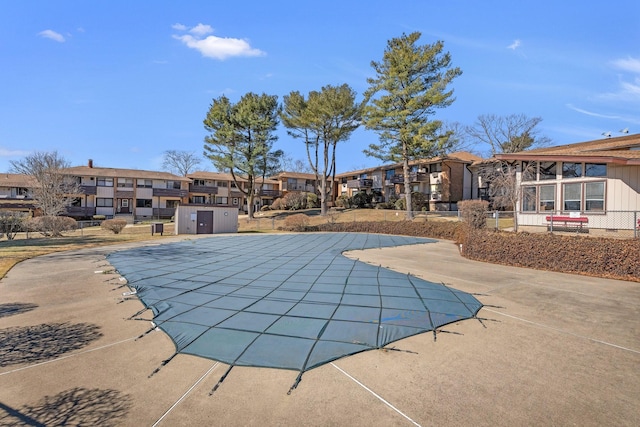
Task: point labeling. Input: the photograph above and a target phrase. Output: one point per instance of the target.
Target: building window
(105, 182)
(571, 170)
(199, 182)
(594, 196)
(104, 203)
(529, 199)
(222, 184)
(125, 182)
(173, 185)
(389, 173)
(547, 170)
(143, 203)
(172, 204)
(435, 167)
(145, 183)
(234, 185)
(595, 169)
(198, 200)
(547, 197)
(529, 170)
(221, 200)
(571, 196)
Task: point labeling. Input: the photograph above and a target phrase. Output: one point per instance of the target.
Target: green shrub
(343, 201)
(361, 200)
(114, 225)
(312, 200)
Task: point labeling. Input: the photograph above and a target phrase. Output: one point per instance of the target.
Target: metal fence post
(496, 216)
(551, 222)
(636, 225)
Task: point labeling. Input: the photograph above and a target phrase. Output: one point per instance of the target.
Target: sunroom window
(572, 197)
(594, 196)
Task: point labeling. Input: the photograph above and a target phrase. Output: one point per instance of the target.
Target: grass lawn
(25, 247)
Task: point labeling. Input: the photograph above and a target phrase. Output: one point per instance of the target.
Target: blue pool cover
(289, 301)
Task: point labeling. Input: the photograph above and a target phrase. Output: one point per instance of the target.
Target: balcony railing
(163, 212)
(360, 183)
(89, 190)
(124, 194)
(79, 212)
(202, 189)
(413, 177)
(270, 193)
(170, 192)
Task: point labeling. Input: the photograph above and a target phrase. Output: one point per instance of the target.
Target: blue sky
(120, 82)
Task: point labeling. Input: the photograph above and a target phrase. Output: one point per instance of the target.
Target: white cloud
(50, 34)
(4, 152)
(214, 47)
(516, 44)
(629, 64)
(591, 113)
(629, 81)
(627, 119)
(201, 30)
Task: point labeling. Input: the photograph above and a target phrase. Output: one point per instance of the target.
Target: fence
(620, 224)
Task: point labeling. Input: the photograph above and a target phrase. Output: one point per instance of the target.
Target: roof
(223, 176)
(123, 173)
(300, 175)
(620, 150)
(15, 180)
(460, 156)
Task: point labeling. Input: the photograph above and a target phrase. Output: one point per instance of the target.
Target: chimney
(90, 163)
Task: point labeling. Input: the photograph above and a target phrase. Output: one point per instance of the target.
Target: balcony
(170, 192)
(360, 183)
(80, 212)
(270, 193)
(202, 189)
(435, 178)
(413, 177)
(89, 190)
(124, 194)
(165, 213)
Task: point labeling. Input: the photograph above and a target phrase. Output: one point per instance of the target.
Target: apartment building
(217, 188)
(14, 192)
(445, 180)
(126, 193)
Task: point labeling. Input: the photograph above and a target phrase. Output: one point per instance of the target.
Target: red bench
(566, 220)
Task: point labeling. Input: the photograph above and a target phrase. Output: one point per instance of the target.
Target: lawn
(25, 247)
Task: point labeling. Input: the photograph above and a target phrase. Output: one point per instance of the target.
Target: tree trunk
(407, 181)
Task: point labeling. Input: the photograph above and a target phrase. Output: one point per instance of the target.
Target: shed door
(205, 222)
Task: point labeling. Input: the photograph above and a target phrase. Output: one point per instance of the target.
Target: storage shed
(198, 219)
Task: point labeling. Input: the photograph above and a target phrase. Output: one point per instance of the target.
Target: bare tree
(504, 189)
(180, 162)
(54, 190)
(288, 164)
(507, 134)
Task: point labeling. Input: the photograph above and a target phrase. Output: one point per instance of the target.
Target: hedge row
(609, 258)
(600, 257)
